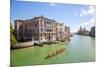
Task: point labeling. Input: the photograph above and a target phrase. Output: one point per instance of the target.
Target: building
(62, 32)
(67, 32)
(82, 31)
(40, 28)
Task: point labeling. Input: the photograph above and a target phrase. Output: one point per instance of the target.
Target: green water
(78, 49)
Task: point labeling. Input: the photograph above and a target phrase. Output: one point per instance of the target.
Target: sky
(72, 15)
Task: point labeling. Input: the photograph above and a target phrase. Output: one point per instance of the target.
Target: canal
(78, 49)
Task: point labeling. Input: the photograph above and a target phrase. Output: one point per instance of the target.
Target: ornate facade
(40, 28)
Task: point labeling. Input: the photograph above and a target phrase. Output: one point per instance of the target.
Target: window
(36, 25)
(41, 22)
(49, 30)
(41, 29)
(20, 29)
(30, 30)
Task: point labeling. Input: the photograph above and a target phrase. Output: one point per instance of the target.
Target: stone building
(40, 28)
(82, 31)
(62, 32)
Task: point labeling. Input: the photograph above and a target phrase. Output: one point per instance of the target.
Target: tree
(92, 31)
(12, 36)
(12, 40)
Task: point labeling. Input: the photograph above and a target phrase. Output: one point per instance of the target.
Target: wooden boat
(54, 53)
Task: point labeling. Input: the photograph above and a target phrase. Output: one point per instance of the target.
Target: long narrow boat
(55, 53)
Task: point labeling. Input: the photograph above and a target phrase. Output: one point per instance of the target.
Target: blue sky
(71, 15)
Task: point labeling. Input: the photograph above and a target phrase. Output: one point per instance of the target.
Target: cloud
(88, 11)
(52, 4)
(91, 21)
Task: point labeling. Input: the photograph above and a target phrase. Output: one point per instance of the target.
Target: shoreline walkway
(22, 45)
